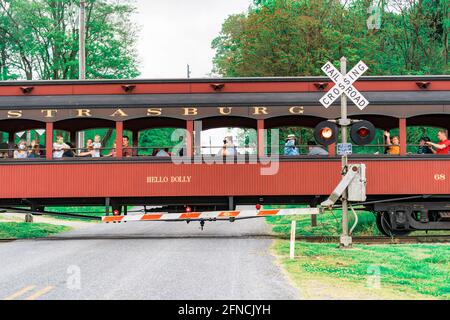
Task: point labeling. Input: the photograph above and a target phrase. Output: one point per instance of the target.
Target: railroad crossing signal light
(362, 132)
(326, 133)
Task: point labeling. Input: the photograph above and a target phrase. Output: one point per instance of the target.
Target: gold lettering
(119, 112)
(154, 112)
(190, 111)
(84, 113)
(222, 110)
(14, 113)
(259, 110)
(49, 113)
(296, 110)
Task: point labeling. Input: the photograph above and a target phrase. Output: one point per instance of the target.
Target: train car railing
(151, 152)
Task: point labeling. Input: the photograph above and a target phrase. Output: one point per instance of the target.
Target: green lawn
(23, 230)
(412, 271)
(89, 211)
(406, 271)
(328, 224)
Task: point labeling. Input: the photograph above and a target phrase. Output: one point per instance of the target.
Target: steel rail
(311, 239)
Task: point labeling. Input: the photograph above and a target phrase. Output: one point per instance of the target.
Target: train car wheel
(384, 225)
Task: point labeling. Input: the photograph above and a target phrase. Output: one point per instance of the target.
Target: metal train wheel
(384, 225)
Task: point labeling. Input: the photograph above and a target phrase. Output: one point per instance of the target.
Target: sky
(175, 33)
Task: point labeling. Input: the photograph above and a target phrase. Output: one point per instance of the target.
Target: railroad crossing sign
(344, 85)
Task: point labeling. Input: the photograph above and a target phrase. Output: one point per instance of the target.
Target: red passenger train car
(408, 191)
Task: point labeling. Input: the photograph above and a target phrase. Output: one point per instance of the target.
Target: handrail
(7, 153)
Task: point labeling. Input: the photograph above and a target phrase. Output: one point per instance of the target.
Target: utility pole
(82, 43)
(346, 239)
(188, 71)
(82, 60)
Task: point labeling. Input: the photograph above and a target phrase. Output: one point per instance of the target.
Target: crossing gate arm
(211, 215)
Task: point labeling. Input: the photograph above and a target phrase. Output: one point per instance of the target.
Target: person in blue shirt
(290, 148)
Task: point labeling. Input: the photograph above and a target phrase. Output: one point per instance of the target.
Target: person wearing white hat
(289, 147)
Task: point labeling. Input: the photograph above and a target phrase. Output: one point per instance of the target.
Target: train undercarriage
(397, 216)
(400, 219)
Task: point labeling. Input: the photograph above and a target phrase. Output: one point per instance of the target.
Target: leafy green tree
(39, 39)
(296, 37)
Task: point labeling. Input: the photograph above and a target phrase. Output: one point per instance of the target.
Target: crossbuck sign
(344, 85)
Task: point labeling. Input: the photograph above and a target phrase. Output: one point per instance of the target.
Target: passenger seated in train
(315, 150)
(35, 150)
(127, 151)
(97, 146)
(69, 153)
(4, 150)
(89, 149)
(228, 149)
(112, 153)
(392, 145)
(423, 147)
(22, 150)
(290, 148)
(59, 147)
(443, 146)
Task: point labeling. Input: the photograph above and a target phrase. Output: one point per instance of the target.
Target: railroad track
(315, 239)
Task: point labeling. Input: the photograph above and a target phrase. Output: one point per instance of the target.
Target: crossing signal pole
(343, 88)
(344, 122)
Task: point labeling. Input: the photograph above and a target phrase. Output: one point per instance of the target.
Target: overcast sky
(175, 33)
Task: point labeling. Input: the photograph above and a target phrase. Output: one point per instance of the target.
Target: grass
(328, 224)
(23, 230)
(406, 271)
(89, 211)
(412, 271)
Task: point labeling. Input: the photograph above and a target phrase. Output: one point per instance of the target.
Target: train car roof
(393, 96)
(225, 79)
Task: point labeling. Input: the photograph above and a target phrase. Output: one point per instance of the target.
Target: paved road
(160, 261)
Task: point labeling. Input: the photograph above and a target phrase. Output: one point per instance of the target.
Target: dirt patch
(329, 289)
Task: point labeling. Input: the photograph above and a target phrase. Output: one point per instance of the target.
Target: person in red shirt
(443, 147)
(126, 151)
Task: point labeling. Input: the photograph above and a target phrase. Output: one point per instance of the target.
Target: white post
(292, 247)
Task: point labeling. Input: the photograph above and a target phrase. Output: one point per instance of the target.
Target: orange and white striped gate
(210, 215)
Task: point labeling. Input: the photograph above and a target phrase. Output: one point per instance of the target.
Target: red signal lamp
(188, 209)
(362, 132)
(116, 212)
(258, 206)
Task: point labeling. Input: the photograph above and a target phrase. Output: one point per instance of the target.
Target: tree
(39, 39)
(296, 37)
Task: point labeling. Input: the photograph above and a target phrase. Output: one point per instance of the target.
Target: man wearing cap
(423, 147)
(289, 147)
